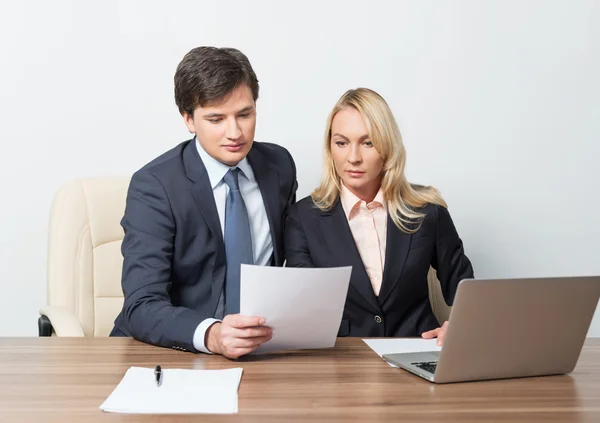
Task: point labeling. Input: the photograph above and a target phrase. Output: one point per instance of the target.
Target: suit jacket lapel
(204, 198)
(396, 251)
(202, 191)
(268, 182)
(338, 237)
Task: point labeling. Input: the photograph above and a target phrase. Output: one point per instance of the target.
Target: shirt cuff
(200, 334)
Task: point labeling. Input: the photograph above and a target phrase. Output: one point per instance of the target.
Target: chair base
(44, 326)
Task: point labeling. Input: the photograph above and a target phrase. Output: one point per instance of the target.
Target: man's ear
(189, 121)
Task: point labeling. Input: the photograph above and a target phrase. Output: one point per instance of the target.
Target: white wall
(498, 102)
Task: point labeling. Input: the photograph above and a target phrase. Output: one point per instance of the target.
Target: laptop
(509, 328)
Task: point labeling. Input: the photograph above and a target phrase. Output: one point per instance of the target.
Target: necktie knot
(231, 178)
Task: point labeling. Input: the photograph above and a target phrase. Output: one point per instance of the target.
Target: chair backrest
(84, 251)
(436, 298)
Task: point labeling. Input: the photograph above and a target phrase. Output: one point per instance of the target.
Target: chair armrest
(62, 321)
(436, 297)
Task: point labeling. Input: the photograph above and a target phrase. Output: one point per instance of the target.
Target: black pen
(158, 374)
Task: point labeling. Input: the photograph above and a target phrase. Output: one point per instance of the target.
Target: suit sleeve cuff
(200, 334)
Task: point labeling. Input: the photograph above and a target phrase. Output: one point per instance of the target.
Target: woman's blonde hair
(401, 197)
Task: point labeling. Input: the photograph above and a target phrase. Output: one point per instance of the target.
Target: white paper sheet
(181, 392)
(401, 345)
(303, 306)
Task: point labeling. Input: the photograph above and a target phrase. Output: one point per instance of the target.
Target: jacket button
(378, 319)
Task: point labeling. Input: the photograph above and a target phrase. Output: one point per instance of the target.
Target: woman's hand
(440, 333)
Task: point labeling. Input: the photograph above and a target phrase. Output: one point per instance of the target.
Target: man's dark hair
(206, 75)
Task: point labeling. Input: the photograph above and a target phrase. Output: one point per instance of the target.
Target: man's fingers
(250, 342)
(253, 332)
(241, 322)
(240, 335)
(243, 346)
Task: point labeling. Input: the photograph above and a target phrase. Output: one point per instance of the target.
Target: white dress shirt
(260, 231)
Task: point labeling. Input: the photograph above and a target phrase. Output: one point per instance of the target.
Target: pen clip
(158, 375)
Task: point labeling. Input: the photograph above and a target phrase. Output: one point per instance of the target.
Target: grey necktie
(238, 241)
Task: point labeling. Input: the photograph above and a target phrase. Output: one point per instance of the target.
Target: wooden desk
(66, 380)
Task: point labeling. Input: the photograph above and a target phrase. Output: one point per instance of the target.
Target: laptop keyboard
(428, 366)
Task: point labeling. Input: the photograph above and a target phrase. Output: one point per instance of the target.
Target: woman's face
(356, 161)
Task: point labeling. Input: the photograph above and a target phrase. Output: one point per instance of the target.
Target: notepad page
(181, 392)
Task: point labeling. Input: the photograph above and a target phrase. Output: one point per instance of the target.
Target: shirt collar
(217, 170)
(351, 202)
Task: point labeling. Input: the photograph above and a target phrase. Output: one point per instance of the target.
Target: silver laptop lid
(504, 328)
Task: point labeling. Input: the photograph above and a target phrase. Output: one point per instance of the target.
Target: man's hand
(440, 333)
(237, 335)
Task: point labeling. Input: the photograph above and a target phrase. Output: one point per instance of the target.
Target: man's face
(226, 130)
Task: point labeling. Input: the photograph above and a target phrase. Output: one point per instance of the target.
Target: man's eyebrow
(220, 115)
(212, 115)
(246, 109)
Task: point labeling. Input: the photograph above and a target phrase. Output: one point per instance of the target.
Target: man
(199, 211)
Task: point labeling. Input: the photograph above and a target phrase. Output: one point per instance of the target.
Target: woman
(366, 215)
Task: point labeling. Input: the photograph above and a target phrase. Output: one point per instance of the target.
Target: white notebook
(180, 392)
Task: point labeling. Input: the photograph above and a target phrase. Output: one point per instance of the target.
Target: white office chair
(84, 258)
(438, 303)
